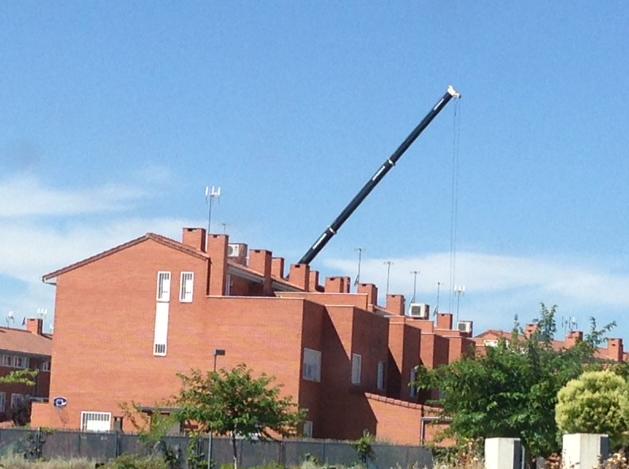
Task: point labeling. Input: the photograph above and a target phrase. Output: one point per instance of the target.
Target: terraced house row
(129, 319)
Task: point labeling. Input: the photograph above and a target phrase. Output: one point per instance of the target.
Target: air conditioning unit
(236, 250)
(464, 326)
(419, 310)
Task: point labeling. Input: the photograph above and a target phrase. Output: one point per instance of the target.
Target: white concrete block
(503, 453)
(584, 450)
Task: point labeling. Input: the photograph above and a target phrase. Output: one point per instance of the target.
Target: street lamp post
(217, 353)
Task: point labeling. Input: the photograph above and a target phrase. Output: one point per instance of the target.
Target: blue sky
(115, 115)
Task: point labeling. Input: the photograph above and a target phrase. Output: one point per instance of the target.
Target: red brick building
(614, 351)
(129, 319)
(22, 350)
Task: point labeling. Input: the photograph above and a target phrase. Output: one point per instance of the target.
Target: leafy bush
(596, 402)
(364, 447)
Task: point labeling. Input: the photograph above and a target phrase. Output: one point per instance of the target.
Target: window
(7, 360)
(20, 361)
(308, 428)
(163, 286)
(186, 285)
(95, 421)
(412, 388)
(356, 368)
(3, 401)
(312, 365)
(380, 376)
(161, 329)
(16, 400)
(45, 365)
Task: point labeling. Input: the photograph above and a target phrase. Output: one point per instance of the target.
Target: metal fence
(101, 447)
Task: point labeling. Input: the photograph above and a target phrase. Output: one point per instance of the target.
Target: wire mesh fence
(101, 447)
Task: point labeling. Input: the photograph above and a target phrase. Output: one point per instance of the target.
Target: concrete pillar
(584, 450)
(503, 453)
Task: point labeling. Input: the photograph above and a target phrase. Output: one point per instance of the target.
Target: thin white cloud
(27, 251)
(23, 195)
(494, 274)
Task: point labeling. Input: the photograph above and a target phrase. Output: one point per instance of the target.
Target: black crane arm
(377, 177)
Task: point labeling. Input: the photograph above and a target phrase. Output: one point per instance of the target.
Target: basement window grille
(187, 282)
(95, 421)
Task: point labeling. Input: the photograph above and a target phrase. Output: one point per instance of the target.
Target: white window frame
(357, 365)
(380, 376)
(3, 402)
(7, 360)
(185, 294)
(100, 417)
(45, 365)
(20, 361)
(163, 286)
(311, 365)
(308, 429)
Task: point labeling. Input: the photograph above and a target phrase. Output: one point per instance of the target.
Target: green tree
(25, 377)
(512, 391)
(237, 404)
(596, 402)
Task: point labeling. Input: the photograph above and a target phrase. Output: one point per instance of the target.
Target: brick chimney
(396, 304)
(347, 284)
(371, 290)
(194, 237)
(300, 275)
(615, 350)
(573, 338)
(444, 321)
(217, 250)
(260, 260)
(334, 285)
(530, 329)
(277, 267)
(313, 281)
(35, 326)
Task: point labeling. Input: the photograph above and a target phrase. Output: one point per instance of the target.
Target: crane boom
(377, 177)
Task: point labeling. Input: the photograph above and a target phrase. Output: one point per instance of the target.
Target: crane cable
(454, 201)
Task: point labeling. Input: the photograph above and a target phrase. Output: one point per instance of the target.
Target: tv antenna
(360, 257)
(438, 293)
(211, 194)
(459, 291)
(388, 264)
(415, 274)
(10, 318)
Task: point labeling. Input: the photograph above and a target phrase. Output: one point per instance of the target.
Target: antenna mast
(377, 177)
(210, 195)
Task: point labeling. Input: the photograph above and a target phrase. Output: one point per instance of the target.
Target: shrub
(596, 402)
(132, 461)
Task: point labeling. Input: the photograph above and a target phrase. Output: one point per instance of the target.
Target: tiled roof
(18, 340)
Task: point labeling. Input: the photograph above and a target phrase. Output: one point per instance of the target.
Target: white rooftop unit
(419, 310)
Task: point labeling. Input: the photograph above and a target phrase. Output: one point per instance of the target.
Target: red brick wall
(105, 315)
